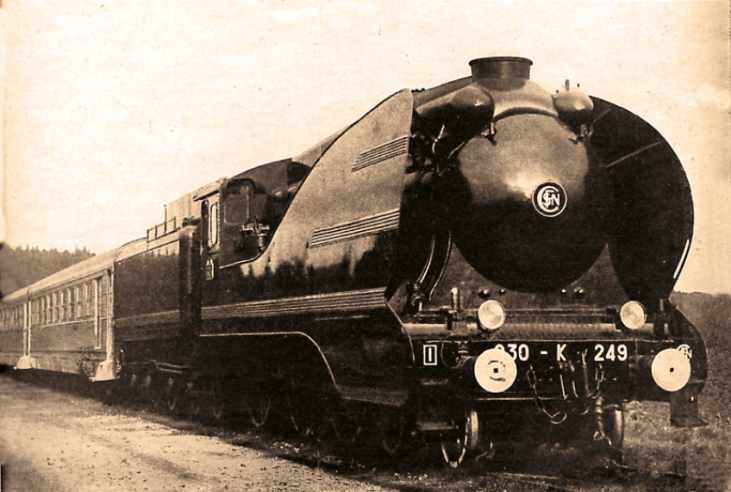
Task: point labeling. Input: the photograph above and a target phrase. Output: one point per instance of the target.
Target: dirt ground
(54, 441)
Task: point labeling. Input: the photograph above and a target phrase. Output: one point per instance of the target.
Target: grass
(703, 453)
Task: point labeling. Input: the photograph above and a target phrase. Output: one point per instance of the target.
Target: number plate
(605, 352)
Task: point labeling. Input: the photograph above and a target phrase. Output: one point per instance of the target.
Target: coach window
(95, 295)
(85, 302)
(64, 304)
(77, 303)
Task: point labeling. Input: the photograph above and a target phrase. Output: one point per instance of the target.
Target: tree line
(21, 267)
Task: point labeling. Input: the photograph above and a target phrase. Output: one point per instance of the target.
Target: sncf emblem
(549, 199)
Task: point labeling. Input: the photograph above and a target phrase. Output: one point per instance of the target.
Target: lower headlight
(633, 315)
(491, 315)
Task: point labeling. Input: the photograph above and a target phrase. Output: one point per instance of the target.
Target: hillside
(712, 315)
(20, 267)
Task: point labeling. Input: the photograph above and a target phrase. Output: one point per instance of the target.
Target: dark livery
(460, 261)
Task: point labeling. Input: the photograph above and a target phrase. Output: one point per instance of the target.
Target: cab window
(210, 213)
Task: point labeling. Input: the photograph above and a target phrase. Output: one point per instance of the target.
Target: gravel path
(52, 441)
(60, 441)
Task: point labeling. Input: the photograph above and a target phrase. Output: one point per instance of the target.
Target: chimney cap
(501, 67)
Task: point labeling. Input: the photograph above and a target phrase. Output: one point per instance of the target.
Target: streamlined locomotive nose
(532, 203)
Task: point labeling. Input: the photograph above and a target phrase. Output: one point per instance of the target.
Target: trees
(20, 267)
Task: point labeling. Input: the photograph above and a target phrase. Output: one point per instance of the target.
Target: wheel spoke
(345, 427)
(171, 395)
(306, 412)
(194, 400)
(394, 429)
(218, 403)
(257, 404)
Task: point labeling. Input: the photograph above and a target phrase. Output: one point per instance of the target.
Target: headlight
(633, 315)
(491, 315)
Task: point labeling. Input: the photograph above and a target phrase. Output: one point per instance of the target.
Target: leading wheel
(458, 442)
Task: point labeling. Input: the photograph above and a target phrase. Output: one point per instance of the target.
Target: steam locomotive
(460, 259)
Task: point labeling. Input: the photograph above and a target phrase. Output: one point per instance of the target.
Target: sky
(113, 108)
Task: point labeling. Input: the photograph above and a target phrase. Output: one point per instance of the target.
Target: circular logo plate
(671, 369)
(549, 199)
(495, 370)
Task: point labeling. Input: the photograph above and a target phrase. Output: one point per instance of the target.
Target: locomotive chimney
(501, 67)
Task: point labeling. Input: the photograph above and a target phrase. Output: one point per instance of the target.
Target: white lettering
(559, 351)
(599, 357)
(430, 355)
(513, 350)
(622, 352)
(610, 352)
(523, 352)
